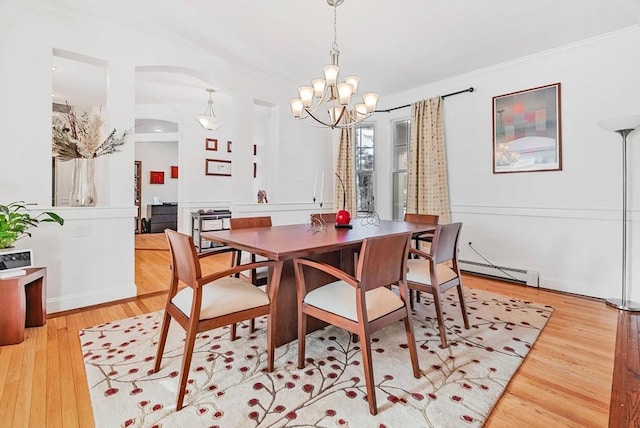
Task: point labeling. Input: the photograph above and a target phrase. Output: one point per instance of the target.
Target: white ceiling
(393, 45)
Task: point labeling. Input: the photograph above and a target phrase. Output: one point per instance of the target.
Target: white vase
(83, 188)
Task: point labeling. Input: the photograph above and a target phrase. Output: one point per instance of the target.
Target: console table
(23, 304)
(207, 222)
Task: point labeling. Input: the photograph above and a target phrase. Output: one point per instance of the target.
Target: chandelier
(208, 119)
(328, 100)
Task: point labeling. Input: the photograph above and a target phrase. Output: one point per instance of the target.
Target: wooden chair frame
(327, 218)
(185, 267)
(246, 223)
(377, 267)
(444, 249)
(425, 237)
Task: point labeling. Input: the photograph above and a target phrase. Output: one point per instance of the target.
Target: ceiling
(393, 45)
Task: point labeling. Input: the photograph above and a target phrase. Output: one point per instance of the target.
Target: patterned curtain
(427, 184)
(346, 170)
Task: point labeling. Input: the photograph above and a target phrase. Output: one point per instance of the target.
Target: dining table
(336, 246)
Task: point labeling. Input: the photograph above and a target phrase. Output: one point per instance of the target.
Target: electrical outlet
(82, 230)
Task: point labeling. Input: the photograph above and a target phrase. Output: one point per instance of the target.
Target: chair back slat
(422, 218)
(445, 242)
(325, 217)
(185, 264)
(383, 260)
(248, 222)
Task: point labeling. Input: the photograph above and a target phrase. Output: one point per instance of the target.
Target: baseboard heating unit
(520, 276)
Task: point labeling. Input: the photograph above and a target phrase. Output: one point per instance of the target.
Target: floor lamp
(623, 126)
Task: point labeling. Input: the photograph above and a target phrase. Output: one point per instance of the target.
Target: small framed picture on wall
(156, 177)
(217, 167)
(211, 144)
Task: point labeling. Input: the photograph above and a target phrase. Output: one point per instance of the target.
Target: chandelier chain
(335, 26)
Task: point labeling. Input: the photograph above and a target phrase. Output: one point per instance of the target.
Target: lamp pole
(623, 303)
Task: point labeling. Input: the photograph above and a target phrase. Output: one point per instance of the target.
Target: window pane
(364, 193)
(364, 162)
(400, 158)
(364, 159)
(401, 133)
(366, 136)
(399, 195)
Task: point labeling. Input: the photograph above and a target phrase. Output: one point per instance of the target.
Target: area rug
(228, 385)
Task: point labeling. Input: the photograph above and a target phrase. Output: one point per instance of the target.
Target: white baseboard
(80, 300)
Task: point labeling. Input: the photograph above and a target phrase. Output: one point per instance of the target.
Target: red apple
(343, 217)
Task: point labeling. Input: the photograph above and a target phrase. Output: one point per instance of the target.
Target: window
(364, 136)
(401, 131)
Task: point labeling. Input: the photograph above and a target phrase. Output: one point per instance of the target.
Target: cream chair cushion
(420, 272)
(221, 297)
(340, 298)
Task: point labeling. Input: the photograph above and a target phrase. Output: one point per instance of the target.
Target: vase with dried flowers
(78, 139)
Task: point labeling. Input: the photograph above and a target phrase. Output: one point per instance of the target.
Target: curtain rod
(409, 105)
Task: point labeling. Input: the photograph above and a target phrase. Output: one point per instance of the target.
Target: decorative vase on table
(83, 188)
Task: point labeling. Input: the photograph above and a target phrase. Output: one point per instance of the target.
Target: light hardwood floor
(565, 381)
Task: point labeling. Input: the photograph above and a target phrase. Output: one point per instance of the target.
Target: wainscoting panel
(573, 250)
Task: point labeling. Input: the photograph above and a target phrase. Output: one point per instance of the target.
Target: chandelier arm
(320, 101)
(344, 109)
(318, 120)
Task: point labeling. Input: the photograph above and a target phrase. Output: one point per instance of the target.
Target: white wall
(564, 224)
(158, 156)
(81, 255)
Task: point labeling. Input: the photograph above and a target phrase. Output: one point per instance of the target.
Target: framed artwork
(217, 167)
(174, 171)
(228, 146)
(527, 130)
(211, 144)
(156, 177)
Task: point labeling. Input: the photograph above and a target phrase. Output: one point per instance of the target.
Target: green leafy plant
(16, 220)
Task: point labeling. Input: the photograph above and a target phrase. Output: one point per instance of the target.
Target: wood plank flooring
(625, 395)
(565, 381)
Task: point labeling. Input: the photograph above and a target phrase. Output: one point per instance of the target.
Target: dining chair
(210, 301)
(328, 218)
(437, 271)
(425, 219)
(360, 303)
(425, 239)
(258, 277)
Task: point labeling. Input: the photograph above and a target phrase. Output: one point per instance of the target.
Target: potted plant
(16, 220)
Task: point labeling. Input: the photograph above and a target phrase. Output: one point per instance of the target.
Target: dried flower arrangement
(79, 137)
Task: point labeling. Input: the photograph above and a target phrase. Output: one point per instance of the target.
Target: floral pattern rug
(228, 385)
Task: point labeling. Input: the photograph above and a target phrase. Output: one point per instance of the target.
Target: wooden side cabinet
(163, 217)
(23, 304)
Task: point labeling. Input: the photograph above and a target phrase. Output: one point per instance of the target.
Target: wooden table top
(290, 241)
